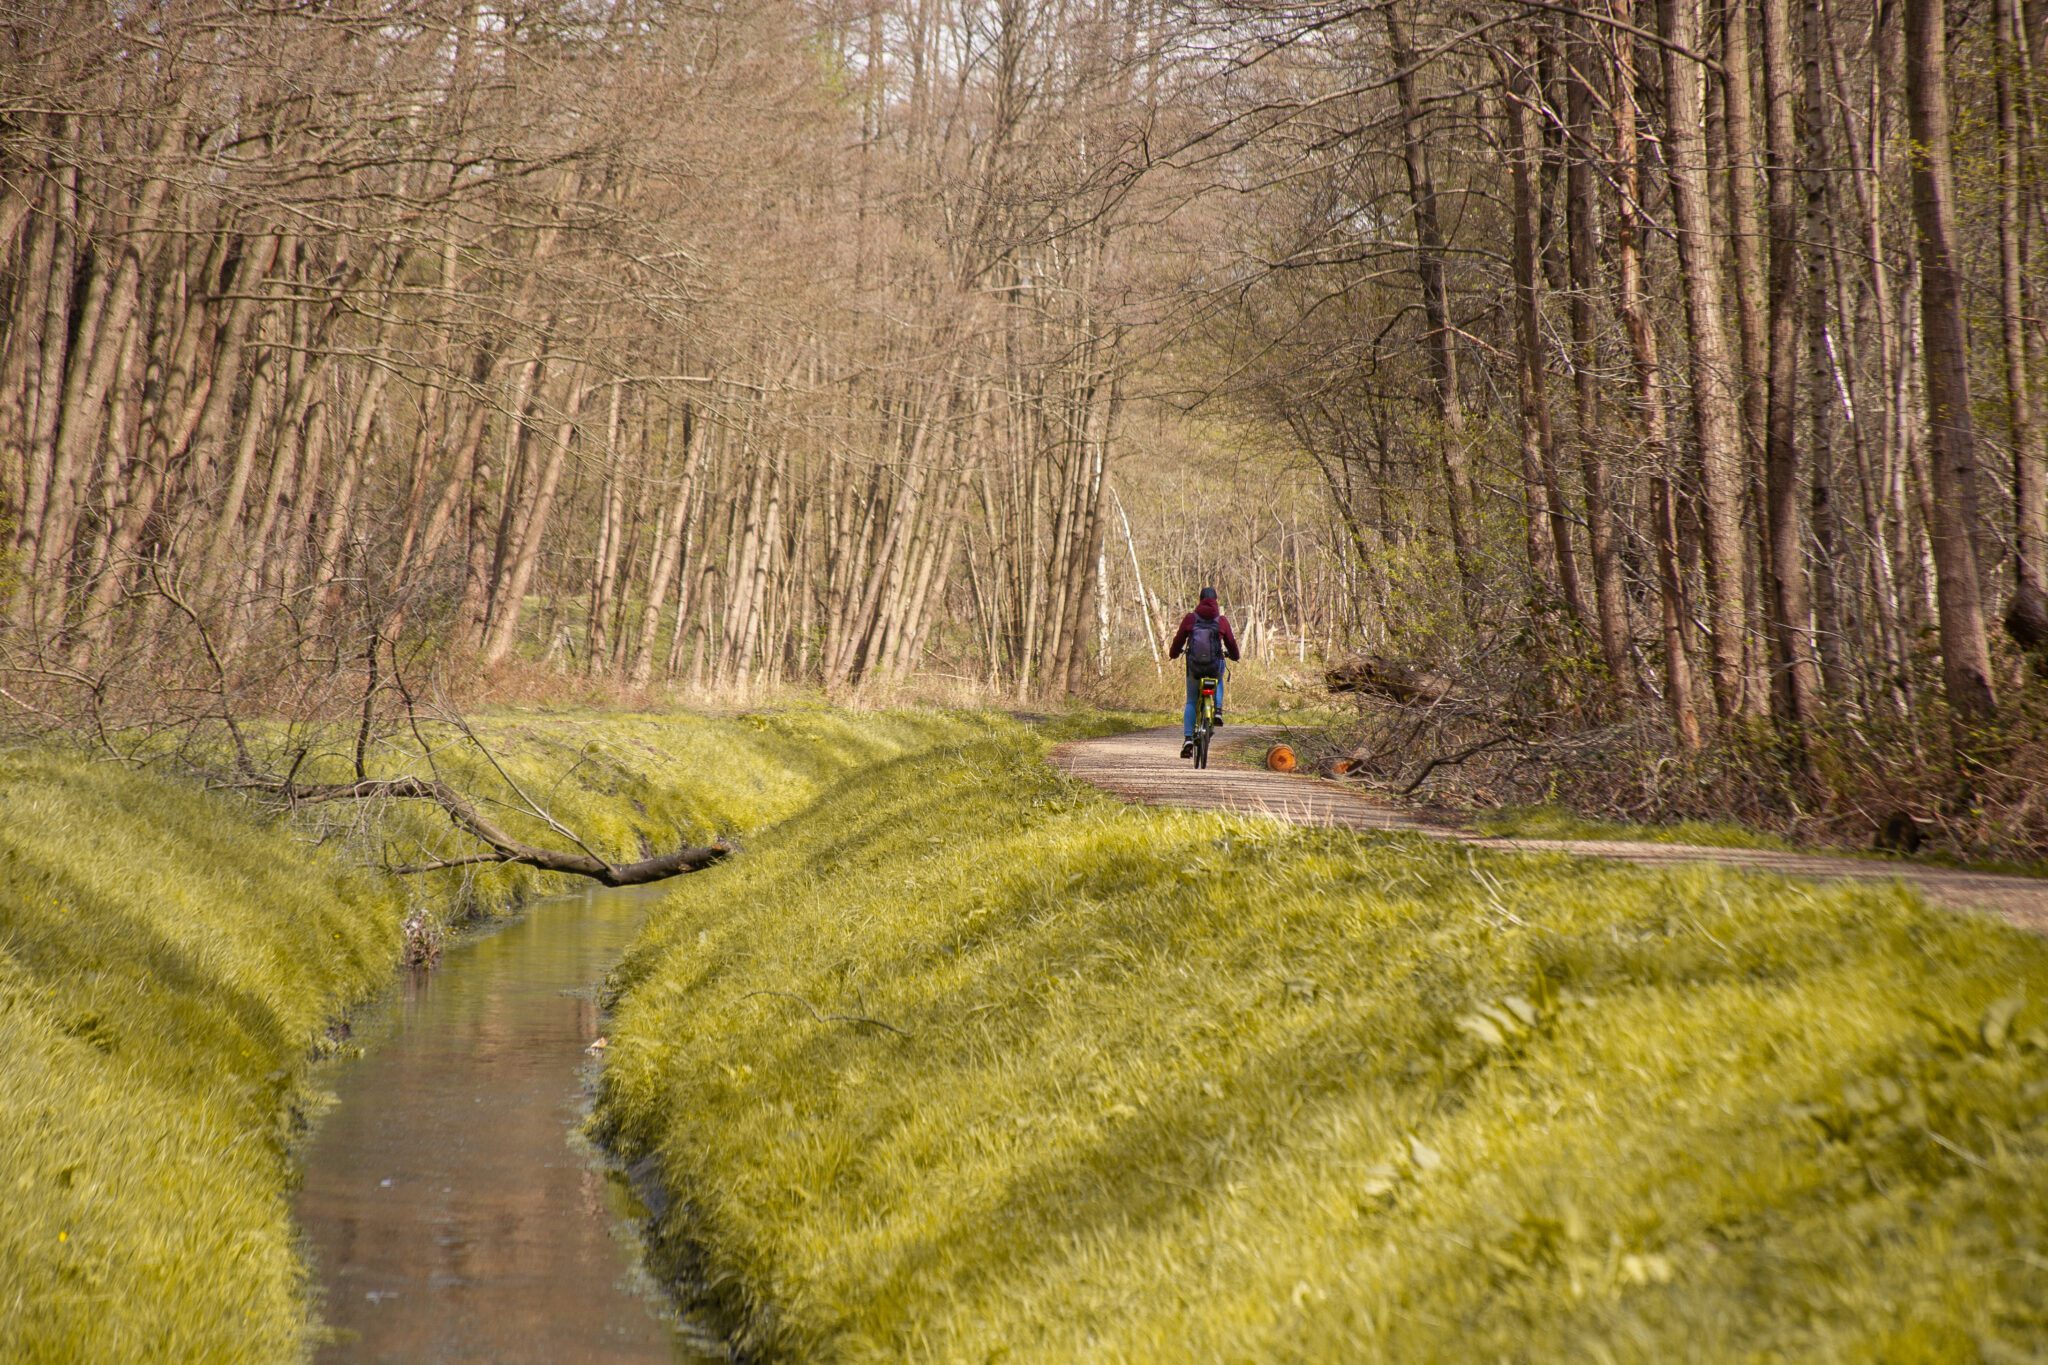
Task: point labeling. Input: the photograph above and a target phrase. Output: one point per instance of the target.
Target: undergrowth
(967, 1062)
(1847, 782)
(169, 958)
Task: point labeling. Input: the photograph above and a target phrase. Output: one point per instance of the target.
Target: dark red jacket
(1205, 610)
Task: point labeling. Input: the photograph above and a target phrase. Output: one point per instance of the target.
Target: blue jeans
(1187, 719)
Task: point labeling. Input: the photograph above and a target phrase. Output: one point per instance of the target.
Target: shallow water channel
(452, 1209)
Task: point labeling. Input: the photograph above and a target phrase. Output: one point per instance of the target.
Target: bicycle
(1205, 719)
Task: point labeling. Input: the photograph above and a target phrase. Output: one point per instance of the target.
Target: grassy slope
(1555, 822)
(167, 961)
(164, 966)
(639, 783)
(1186, 1086)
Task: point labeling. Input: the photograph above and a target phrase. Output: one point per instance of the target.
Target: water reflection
(451, 1212)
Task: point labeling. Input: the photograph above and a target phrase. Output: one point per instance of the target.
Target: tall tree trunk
(1837, 673)
(1965, 651)
(1643, 350)
(1441, 339)
(1548, 561)
(671, 548)
(2026, 618)
(533, 525)
(1745, 221)
(47, 367)
(1610, 587)
(1717, 424)
(604, 571)
(1791, 606)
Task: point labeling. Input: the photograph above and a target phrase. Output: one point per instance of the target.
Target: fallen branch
(504, 848)
(1451, 760)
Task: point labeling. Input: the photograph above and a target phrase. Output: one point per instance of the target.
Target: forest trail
(1144, 766)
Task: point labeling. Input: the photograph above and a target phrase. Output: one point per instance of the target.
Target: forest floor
(1144, 766)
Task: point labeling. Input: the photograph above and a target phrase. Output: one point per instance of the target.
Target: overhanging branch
(503, 846)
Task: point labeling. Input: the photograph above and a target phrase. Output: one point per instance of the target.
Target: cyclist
(1206, 637)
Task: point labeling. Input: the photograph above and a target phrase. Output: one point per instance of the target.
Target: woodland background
(1662, 383)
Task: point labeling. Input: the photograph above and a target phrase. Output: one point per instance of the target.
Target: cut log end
(1280, 759)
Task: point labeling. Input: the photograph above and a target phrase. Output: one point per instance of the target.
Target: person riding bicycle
(1206, 637)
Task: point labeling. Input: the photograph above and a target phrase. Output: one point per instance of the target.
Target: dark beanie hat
(1208, 594)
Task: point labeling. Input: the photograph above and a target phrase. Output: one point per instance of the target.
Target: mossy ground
(1174, 1086)
(169, 958)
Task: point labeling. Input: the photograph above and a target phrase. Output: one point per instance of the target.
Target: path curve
(1145, 766)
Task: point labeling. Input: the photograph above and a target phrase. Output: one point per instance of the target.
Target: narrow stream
(452, 1210)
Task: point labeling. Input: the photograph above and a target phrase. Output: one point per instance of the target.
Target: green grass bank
(1191, 1087)
(1555, 822)
(169, 959)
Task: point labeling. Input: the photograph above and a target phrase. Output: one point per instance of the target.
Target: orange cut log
(1280, 759)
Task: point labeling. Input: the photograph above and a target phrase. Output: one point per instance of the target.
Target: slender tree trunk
(2026, 618)
(533, 525)
(1441, 339)
(1138, 582)
(604, 573)
(1745, 221)
(1717, 424)
(1965, 650)
(1785, 473)
(1830, 632)
(1547, 565)
(1642, 334)
(46, 392)
(671, 559)
(1610, 587)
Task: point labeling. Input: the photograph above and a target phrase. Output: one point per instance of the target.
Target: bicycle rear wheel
(1201, 748)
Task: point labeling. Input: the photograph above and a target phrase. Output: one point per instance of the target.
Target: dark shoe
(1217, 724)
(1187, 748)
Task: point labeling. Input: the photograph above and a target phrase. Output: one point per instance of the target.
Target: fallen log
(1280, 759)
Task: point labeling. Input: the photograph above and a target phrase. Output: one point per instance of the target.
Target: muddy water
(452, 1210)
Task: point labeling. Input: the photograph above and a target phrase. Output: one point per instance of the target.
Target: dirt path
(1145, 766)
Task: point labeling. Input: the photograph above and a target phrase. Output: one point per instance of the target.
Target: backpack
(1205, 644)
